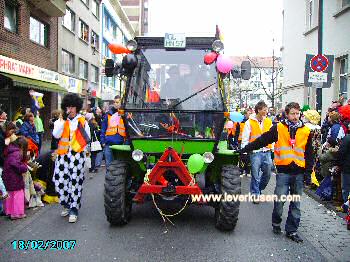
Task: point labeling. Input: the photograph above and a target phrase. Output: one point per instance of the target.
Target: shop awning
(34, 84)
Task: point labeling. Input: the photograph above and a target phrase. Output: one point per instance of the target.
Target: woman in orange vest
(73, 134)
(260, 160)
(293, 158)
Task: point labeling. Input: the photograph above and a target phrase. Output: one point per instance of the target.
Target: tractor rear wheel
(226, 214)
(117, 198)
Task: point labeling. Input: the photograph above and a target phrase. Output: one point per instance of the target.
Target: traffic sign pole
(320, 34)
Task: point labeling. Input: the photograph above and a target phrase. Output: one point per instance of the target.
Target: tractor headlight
(131, 45)
(218, 46)
(137, 155)
(208, 157)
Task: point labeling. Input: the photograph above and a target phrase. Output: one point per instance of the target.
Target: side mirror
(109, 67)
(246, 70)
(236, 72)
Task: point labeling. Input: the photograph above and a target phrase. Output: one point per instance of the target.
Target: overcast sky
(248, 26)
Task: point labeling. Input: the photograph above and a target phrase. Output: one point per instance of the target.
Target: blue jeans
(99, 158)
(345, 186)
(292, 184)
(260, 161)
(108, 155)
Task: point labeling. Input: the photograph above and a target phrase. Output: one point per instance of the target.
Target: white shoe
(249, 175)
(72, 218)
(65, 212)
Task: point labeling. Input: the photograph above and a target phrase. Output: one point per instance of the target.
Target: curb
(326, 204)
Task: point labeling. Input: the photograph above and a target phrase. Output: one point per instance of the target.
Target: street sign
(318, 71)
(319, 63)
(317, 77)
(175, 40)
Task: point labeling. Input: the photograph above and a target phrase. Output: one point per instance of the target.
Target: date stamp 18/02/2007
(43, 244)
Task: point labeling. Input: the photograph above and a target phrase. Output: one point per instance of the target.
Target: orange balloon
(118, 49)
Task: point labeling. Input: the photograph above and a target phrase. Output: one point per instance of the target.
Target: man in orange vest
(73, 133)
(112, 130)
(293, 158)
(254, 127)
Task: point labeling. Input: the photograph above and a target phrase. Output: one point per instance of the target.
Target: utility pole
(320, 34)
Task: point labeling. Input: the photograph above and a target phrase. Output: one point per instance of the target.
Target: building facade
(137, 12)
(115, 28)
(265, 83)
(300, 37)
(28, 55)
(79, 33)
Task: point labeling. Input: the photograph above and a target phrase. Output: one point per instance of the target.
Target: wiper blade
(190, 96)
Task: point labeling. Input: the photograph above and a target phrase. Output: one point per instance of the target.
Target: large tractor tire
(226, 213)
(117, 199)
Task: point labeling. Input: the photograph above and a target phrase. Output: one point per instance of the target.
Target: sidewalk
(9, 228)
(327, 232)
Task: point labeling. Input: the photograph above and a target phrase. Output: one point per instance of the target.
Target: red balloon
(118, 49)
(210, 58)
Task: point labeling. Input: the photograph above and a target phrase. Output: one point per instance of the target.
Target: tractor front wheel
(226, 214)
(117, 199)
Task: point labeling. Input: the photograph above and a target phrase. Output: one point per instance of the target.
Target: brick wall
(19, 46)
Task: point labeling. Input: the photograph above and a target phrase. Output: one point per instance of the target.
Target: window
(67, 62)
(343, 81)
(83, 69)
(10, 17)
(345, 3)
(39, 32)
(83, 31)
(94, 74)
(69, 20)
(105, 49)
(86, 2)
(94, 40)
(95, 8)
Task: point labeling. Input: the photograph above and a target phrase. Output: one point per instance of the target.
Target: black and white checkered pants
(69, 177)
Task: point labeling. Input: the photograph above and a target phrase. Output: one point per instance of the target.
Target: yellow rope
(162, 214)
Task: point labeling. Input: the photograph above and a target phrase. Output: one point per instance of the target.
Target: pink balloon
(224, 64)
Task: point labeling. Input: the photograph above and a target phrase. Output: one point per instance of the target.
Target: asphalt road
(146, 238)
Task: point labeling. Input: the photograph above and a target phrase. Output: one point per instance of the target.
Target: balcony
(53, 8)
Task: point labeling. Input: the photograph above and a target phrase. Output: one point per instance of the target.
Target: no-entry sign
(319, 63)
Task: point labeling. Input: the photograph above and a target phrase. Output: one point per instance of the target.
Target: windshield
(165, 78)
(184, 125)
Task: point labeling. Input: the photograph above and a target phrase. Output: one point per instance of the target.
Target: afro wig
(72, 100)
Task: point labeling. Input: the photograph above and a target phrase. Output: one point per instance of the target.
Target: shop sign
(16, 67)
(72, 84)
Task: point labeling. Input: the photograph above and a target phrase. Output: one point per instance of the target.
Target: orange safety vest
(285, 152)
(113, 130)
(64, 143)
(241, 127)
(256, 129)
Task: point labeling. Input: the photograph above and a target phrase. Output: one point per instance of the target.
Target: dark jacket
(272, 136)
(14, 167)
(29, 131)
(94, 132)
(344, 155)
(54, 141)
(110, 140)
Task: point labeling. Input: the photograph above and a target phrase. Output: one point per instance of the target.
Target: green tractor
(174, 113)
